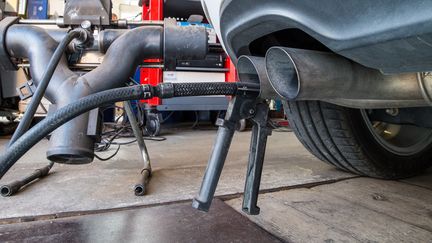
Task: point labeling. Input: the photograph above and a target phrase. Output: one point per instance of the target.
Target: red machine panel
(153, 76)
(154, 11)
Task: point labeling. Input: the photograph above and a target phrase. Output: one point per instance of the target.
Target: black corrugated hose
(199, 89)
(136, 92)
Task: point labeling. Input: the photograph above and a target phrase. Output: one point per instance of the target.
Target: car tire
(340, 136)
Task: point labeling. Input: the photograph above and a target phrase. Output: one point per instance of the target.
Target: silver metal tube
(38, 21)
(138, 135)
(140, 187)
(311, 75)
(58, 21)
(143, 23)
(252, 70)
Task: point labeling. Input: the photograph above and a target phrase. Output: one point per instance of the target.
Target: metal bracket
(140, 187)
(94, 125)
(26, 90)
(98, 12)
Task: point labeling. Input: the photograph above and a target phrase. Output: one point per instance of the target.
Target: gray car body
(394, 36)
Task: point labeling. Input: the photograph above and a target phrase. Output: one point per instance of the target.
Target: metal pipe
(140, 187)
(12, 188)
(143, 23)
(252, 70)
(138, 134)
(41, 21)
(312, 75)
(124, 23)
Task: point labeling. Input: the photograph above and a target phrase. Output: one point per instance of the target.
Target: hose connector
(85, 38)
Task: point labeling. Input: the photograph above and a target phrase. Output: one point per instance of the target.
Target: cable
(124, 143)
(109, 157)
(25, 122)
(118, 132)
(167, 117)
(196, 120)
(65, 114)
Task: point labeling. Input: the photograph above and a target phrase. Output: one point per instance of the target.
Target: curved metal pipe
(70, 143)
(311, 75)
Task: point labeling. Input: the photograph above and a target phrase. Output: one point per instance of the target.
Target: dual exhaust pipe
(296, 75)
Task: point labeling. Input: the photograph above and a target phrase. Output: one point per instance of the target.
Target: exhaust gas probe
(136, 92)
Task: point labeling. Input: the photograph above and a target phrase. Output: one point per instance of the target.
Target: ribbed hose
(199, 89)
(65, 114)
(137, 92)
(25, 122)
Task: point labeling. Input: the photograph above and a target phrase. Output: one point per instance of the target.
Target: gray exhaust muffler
(297, 74)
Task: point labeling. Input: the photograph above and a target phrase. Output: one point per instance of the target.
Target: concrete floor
(303, 199)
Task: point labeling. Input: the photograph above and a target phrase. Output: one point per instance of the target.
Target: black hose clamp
(6, 63)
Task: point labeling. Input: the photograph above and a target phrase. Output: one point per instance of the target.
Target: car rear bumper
(391, 35)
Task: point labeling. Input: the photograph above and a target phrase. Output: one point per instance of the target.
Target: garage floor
(302, 200)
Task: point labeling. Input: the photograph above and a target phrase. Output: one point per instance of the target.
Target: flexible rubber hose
(65, 114)
(169, 90)
(137, 92)
(198, 89)
(25, 122)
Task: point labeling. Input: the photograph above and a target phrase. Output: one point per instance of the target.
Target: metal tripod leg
(260, 132)
(140, 187)
(239, 108)
(214, 168)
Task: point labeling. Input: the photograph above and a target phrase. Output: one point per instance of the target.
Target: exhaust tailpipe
(297, 74)
(251, 69)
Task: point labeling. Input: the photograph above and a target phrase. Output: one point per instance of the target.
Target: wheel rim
(404, 140)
